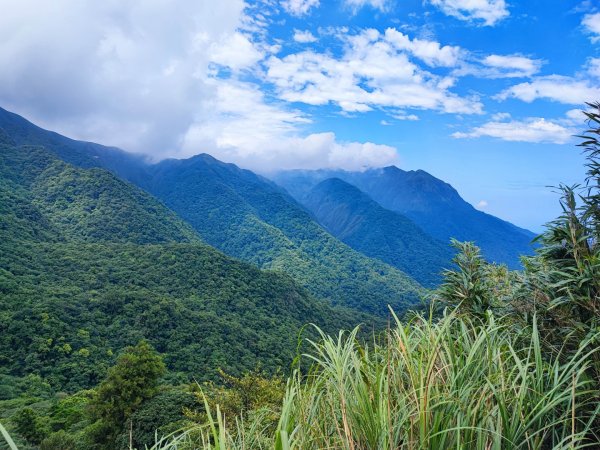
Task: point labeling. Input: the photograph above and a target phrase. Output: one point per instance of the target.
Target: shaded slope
(354, 218)
(432, 204)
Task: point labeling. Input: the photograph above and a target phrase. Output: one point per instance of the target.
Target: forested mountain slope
(245, 216)
(251, 218)
(432, 204)
(354, 218)
(75, 287)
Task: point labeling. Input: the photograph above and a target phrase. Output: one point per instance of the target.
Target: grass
(453, 383)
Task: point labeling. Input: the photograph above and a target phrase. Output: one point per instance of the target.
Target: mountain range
(215, 265)
(90, 264)
(433, 205)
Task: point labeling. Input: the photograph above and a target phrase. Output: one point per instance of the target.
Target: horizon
(482, 96)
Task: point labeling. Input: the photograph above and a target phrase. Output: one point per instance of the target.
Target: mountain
(79, 153)
(251, 218)
(245, 216)
(90, 264)
(357, 220)
(432, 204)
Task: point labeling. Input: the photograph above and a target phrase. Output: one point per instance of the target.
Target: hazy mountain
(356, 219)
(431, 203)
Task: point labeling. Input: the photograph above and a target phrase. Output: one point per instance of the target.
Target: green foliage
(249, 218)
(452, 383)
(131, 381)
(245, 395)
(61, 440)
(467, 287)
(159, 415)
(30, 425)
(72, 295)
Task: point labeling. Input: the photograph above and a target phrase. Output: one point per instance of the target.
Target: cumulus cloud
(430, 52)
(487, 11)
(482, 204)
(299, 7)
(374, 70)
(593, 67)
(591, 22)
(162, 78)
(244, 129)
(304, 37)
(235, 51)
(131, 73)
(562, 89)
(533, 129)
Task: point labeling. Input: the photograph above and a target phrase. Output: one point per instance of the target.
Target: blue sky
(483, 94)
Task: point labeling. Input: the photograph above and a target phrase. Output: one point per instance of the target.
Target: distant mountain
(431, 203)
(245, 216)
(79, 153)
(90, 264)
(356, 219)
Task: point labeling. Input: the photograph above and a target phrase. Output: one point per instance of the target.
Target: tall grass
(455, 383)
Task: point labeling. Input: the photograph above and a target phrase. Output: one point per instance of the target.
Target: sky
(484, 94)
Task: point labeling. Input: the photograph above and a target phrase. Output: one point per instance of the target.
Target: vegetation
(430, 203)
(501, 359)
(431, 384)
(357, 220)
(73, 294)
(250, 218)
(234, 210)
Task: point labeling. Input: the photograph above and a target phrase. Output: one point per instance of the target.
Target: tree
(133, 379)
(466, 287)
(30, 425)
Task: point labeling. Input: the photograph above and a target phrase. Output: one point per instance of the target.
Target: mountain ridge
(354, 218)
(434, 205)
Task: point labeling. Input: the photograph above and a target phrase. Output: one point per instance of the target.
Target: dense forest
(210, 350)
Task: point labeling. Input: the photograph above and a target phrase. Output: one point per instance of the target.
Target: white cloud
(240, 127)
(513, 65)
(482, 204)
(304, 37)
(575, 116)
(299, 7)
(401, 115)
(372, 72)
(488, 11)
(592, 24)
(141, 76)
(355, 5)
(557, 88)
(593, 67)
(431, 52)
(235, 51)
(533, 129)
(131, 74)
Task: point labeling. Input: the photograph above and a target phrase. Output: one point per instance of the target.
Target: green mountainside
(90, 264)
(357, 220)
(251, 218)
(246, 216)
